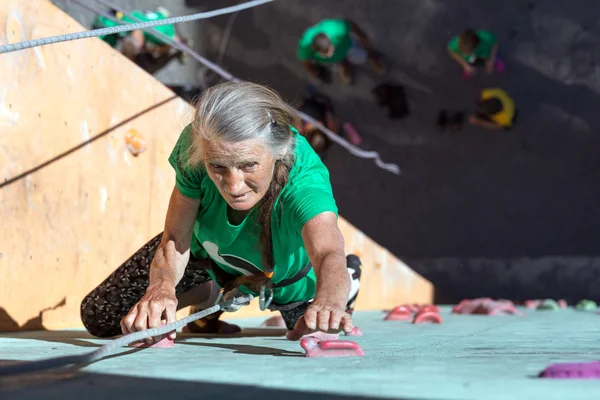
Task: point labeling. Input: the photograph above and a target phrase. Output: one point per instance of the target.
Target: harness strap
(289, 281)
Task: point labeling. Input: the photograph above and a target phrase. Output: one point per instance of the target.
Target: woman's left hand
(321, 317)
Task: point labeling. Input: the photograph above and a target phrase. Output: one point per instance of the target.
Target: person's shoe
(457, 121)
(211, 324)
(441, 120)
(354, 267)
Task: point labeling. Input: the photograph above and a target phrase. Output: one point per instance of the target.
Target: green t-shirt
(144, 16)
(236, 248)
(487, 40)
(338, 31)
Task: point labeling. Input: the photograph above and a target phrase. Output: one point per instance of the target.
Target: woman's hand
(158, 302)
(322, 317)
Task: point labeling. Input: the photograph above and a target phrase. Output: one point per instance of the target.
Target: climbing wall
(75, 202)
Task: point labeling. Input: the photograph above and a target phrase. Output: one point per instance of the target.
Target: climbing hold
(562, 303)
(276, 321)
(486, 306)
(135, 142)
(330, 348)
(430, 307)
(586, 305)
(585, 370)
(163, 343)
(355, 332)
(399, 313)
(548, 304)
(532, 303)
(427, 316)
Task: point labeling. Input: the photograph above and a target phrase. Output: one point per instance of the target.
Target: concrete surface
(466, 357)
(525, 194)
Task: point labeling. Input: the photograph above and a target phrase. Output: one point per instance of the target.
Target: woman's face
(241, 171)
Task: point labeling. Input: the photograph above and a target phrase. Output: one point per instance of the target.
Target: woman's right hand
(158, 302)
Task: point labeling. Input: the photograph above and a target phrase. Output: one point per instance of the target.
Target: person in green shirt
(336, 42)
(139, 45)
(473, 48)
(252, 209)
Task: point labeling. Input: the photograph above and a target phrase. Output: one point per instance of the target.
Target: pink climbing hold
(532, 303)
(355, 332)
(400, 313)
(427, 316)
(330, 348)
(486, 306)
(562, 303)
(165, 342)
(585, 370)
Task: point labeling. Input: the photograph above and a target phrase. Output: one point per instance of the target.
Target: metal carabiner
(265, 297)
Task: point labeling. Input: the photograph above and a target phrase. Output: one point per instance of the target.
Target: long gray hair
(240, 111)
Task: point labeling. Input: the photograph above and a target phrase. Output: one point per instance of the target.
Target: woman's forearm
(333, 281)
(169, 264)
(173, 253)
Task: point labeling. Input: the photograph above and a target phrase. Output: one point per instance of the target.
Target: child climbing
(475, 48)
(495, 110)
(139, 46)
(339, 43)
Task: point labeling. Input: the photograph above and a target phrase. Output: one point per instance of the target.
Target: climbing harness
(265, 296)
(110, 347)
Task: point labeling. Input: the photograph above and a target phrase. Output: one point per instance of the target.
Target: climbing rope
(128, 27)
(393, 168)
(113, 345)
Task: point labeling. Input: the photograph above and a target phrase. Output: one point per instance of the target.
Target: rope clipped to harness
(115, 344)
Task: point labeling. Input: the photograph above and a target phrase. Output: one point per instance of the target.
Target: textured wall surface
(74, 201)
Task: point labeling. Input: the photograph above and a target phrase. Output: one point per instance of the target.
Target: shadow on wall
(568, 278)
(7, 324)
(76, 385)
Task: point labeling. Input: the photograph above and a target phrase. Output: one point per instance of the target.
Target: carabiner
(265, 297)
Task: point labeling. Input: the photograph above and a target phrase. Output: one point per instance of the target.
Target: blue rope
(126, 28)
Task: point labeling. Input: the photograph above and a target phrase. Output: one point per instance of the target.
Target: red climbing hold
(355, 332)
(400, 313)
(427, 316)
(330, 348)
(430, 307)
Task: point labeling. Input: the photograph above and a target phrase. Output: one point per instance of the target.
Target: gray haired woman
(252, 209)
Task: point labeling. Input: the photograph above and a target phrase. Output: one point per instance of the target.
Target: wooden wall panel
(87, 203)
